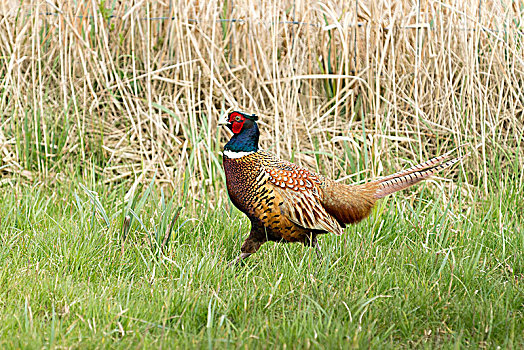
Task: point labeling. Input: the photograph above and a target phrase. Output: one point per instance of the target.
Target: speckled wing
(302, 197)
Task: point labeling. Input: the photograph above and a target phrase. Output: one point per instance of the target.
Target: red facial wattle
(237, 126)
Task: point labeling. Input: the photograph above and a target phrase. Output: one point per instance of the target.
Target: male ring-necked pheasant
(289, 203)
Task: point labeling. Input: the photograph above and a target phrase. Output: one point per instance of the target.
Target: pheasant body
(256, 184)
(289, 203)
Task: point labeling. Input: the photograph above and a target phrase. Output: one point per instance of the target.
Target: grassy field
(109, 108)
(428, 271)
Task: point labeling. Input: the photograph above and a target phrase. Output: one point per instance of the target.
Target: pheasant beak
(223, 120)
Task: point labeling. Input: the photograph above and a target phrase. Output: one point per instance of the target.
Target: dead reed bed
(123, 90)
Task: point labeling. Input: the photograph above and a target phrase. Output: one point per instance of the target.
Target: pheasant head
(245, 130)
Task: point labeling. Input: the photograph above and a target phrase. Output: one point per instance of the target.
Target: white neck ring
(235, 155)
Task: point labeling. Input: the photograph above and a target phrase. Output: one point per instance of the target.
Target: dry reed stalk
(357, 85)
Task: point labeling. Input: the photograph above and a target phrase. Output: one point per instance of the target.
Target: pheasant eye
(238, 118)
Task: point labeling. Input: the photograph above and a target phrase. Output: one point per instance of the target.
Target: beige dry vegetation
(357, 87)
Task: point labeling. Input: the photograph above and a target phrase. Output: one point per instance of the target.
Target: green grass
(422, 272)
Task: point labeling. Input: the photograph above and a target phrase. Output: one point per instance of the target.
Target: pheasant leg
(250, 246)
(241, 257)
(319, 252)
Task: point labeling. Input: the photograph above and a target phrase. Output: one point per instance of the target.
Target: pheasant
(289, 203)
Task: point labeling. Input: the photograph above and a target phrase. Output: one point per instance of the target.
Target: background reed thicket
(115, 227)
(120, 90)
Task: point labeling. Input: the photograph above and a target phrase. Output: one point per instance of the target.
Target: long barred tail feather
(419, 167)
(411, 176)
